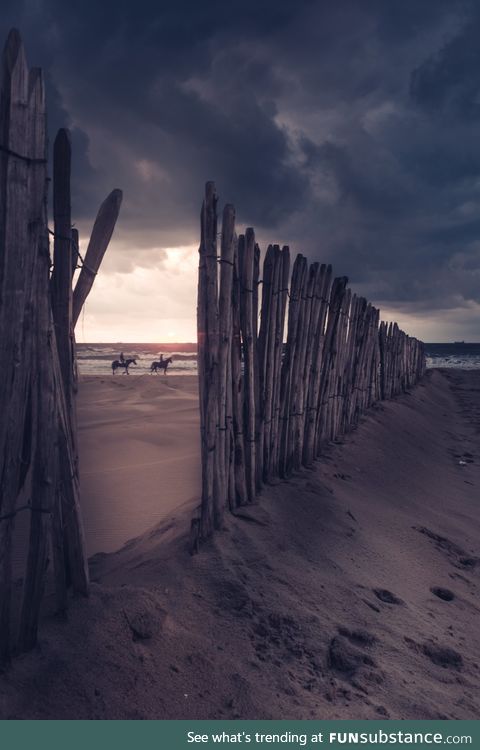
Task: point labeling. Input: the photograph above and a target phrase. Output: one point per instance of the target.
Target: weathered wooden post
(240, 495)
(207, 337)
(305, 354)
(256, 363)
(61, 296)
(224, 359)
(269, 362)
(42, 417)
(290, 367)
(284, 278)
(312, 404)
(326, 394)
(262, 345)
(101, 235)
(339, 387)
(61, 283)
(75, 250)
(247, 324)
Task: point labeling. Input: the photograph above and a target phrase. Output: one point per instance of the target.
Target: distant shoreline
(166, 346)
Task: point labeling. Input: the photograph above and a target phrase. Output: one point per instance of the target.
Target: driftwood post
(207, 337)
(328, 366)
(297, 370)
(284, 277)
(262, 347)
(289, 362)
(270, 362)
(305, 353)
(40, 413)
(224, 359)
(61, 294)
(312, 407)
(101, 235)
(246, 281)
(61, 283)
(238, 453)
(256, 363)
(17, 269)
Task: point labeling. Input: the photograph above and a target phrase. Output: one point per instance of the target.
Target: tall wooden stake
(101, 235)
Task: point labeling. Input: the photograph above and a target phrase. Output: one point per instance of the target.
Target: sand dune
(139, 459)
(349, 592)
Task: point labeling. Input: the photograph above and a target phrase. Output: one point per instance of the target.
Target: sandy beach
(349, 592)
(138, 444)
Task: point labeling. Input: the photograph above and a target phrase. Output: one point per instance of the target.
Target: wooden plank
(68, 489)
(207, 337)
(246, 281)
(382, 340)
(269, 363)
(350, 364)
(75, 249)
(288, 364)
(304, 365)
(262, 355)
(43, 422)
(313, 335)
(339, 388)
(61, 284)
(284, 278)
(224, 360)
(323, 290)
(99, 240)
(291, 364)
(256, 364)
(239, 497)
(326, 394)
(17, 309)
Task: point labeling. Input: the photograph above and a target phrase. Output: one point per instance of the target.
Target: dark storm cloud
(348, 129)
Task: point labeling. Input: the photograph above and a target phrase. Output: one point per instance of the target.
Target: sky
(348, 130)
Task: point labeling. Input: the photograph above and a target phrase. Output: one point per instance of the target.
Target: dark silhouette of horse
(118, 364)
(161, 364)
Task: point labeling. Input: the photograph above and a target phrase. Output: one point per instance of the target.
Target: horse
(161, 364)
(117, 364)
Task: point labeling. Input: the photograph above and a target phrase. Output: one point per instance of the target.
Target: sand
(139, 453)
(349, 592)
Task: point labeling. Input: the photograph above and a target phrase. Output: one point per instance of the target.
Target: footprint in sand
(345, 658)
(445, 594)
(456, 554)
(387, 597)
(358, 637)
(442, 656)
(348, 658)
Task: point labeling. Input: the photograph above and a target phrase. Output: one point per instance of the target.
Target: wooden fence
(268, 405)
(39, 477)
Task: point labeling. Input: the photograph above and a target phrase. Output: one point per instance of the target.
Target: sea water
(96, 359)
(459, 354)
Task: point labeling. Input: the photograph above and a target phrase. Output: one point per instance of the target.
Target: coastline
(316, 603)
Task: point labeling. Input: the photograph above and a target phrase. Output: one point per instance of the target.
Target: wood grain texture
(99, 240)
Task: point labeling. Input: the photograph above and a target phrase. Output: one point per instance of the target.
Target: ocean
(459, 354)
(96, 359)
